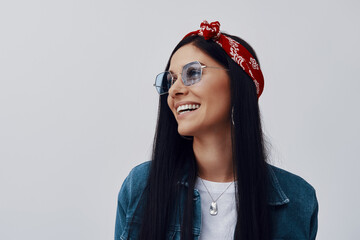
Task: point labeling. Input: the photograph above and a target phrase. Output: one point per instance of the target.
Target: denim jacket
(292, 203)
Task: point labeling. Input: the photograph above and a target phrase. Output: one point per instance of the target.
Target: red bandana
(235, 50)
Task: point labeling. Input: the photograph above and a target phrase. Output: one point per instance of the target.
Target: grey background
(78, 110)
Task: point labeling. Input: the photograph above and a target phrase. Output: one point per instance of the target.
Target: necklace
(213, 205)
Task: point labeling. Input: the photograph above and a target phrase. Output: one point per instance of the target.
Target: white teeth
(184, 112)
(187, 106)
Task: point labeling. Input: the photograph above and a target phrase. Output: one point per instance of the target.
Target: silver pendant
(213, 209)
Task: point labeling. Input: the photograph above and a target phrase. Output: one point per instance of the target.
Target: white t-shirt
(222, 225)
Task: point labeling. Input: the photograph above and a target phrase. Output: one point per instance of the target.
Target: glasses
(190, 74)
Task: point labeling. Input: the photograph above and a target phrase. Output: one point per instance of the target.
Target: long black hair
(173, 153)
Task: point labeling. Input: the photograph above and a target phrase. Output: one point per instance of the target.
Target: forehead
(189, 53)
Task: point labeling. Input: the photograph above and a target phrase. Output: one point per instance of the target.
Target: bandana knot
(210, 31)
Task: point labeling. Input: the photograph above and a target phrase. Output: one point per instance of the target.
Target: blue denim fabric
(292, 202)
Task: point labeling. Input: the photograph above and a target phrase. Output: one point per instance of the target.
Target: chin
(185, 131)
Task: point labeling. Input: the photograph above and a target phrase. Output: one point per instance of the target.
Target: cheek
(170, 103)
(219, 89)
(218, 101)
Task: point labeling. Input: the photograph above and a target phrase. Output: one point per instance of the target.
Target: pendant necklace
(213, 205)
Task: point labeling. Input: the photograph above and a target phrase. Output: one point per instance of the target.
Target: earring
(232, 116)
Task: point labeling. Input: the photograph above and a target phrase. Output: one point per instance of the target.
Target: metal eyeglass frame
(172, 78)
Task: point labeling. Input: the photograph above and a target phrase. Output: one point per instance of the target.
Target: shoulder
(290, 182)
(137, 178)
(140, 172)
(129, 197)
(135, 183)
(295, 189)
(297, 195)
(132, 190)
(292, 197)
(291, 189)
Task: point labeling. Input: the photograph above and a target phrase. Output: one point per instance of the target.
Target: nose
(178, 88)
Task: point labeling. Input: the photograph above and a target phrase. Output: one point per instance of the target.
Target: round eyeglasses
(190, 74)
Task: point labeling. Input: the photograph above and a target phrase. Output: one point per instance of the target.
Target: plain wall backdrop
(78, 109)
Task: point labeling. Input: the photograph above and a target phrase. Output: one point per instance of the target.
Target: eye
(174, 78)
(193, 73)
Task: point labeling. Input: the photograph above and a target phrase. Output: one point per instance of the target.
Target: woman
(208, 177)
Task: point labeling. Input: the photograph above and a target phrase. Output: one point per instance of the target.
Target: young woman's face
(212, 93)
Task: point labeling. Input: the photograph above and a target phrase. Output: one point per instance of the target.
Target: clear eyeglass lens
(163, 82)
(191, 73)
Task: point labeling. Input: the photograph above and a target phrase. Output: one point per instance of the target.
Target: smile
(187, 108)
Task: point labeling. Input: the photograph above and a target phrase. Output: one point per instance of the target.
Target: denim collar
(276, 195)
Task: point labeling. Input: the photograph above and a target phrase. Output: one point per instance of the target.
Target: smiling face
(212, 93)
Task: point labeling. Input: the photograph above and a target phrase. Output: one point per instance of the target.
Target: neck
(213, 154)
